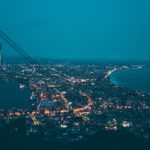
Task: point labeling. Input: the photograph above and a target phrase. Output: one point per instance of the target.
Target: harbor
(12, 96)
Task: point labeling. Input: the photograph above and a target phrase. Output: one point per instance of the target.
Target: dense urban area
(71, 102)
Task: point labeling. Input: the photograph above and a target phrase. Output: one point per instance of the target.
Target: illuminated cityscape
(71, 102)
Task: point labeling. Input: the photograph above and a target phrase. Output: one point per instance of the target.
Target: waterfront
(136, 79)
(12, 96)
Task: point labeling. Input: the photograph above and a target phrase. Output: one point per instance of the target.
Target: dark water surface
(12, 96)
(136, 79)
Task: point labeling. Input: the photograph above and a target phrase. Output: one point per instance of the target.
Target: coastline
(129, 81)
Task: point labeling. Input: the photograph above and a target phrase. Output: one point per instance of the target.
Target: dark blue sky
(79, 28)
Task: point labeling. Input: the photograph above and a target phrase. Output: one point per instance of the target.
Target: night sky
(79, 29)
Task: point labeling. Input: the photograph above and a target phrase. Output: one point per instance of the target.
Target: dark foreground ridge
(100, 141)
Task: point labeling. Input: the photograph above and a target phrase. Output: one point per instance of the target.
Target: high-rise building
(0, 54)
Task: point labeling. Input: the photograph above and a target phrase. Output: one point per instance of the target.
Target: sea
(135, 79)
(11, 96)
